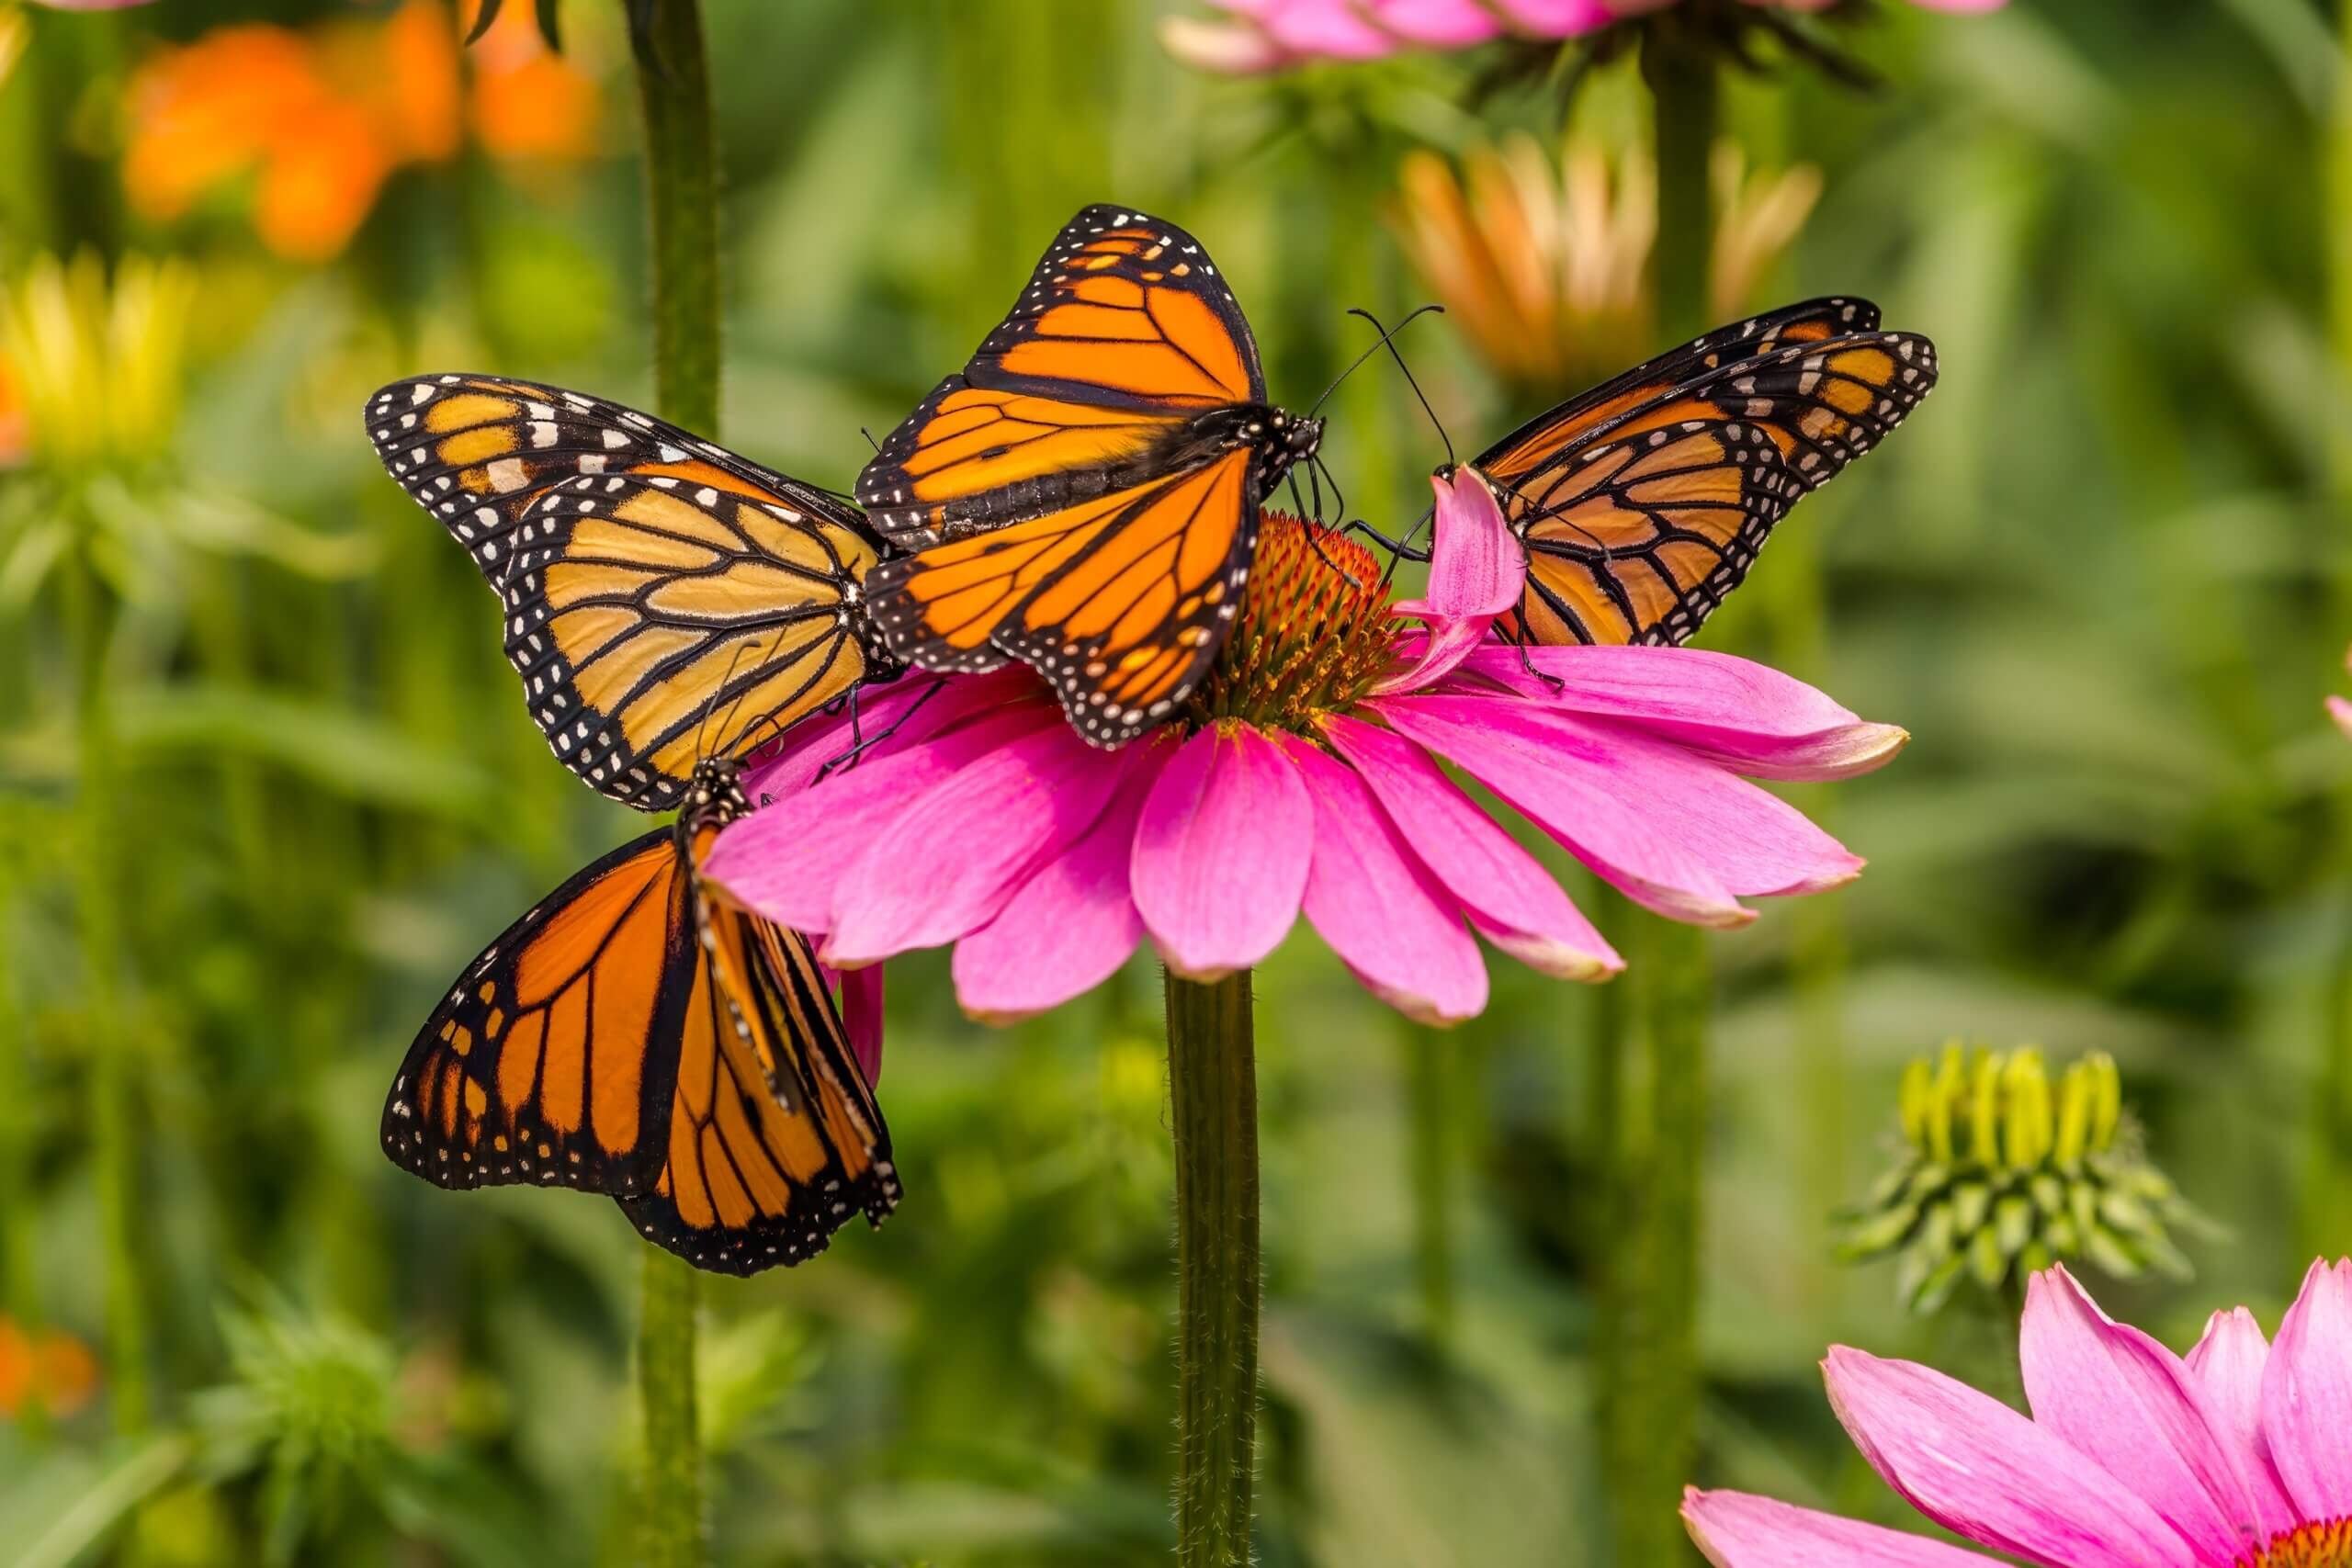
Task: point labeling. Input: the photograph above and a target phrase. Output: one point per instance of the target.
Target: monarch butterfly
(1643, 502)
(639, 1033)
(649, 578)
(1083, 495)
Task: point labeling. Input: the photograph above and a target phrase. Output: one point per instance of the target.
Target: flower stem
(1213, 1090)
(114, 1140)
(1652, 1070)
(681, 189)
(2328, 1192)
(1429, 1082)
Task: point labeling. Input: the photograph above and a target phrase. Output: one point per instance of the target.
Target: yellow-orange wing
(1126, 330)
(553, 1059)
(1121, 600)
(774, 1138)
(1639, 520)
(664, 599)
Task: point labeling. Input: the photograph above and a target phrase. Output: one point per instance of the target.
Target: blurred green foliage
(2102, 577)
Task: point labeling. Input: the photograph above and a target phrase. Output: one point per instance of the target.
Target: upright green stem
(1651, 1073)
(682, 188)
(114, 1140)
(1213, 1092)
(2328, 1193)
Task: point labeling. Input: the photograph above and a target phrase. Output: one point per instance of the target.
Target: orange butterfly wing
(1639, 518)
(652, 581)
(1121, 601)
(1125, 332)
(774, 1139)
(551, 1060)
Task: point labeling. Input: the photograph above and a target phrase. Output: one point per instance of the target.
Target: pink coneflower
(2239, 1456)
(1309, 779)
(1274, 35)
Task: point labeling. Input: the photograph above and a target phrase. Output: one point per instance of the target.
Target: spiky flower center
(2327, 1544)
(1312, 636)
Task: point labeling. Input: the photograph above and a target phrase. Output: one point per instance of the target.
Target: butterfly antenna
(1368, 353)
(870, 441)
(1397, 354)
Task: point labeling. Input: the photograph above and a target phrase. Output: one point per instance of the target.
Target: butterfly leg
(859, 745)
(1528, 665)
(1315, 527)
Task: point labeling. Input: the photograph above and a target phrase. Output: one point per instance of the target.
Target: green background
(2102, 577)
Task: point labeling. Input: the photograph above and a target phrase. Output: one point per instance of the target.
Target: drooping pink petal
(2227, 1365)
(1748, 717)
(948, 862)
(1555, 19)
(785, 859)
(1477, 570)
(1073, 922)
(1737, 1530)
(2307, 1395)
(1382, 910)
(895, 718)
(1978, 1467)
(2341, 711)
(1317, 30)
(1674, 832)
(1508, 896)
(861, 994)
(2115, 1394)
(1222, 851)
(1230, 48)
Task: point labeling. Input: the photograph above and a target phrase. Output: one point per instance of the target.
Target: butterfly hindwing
(1120, 602)
(550, 1062)
(1640, 509)
(648, 578)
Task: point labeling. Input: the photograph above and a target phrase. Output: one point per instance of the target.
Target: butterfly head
(714, 794)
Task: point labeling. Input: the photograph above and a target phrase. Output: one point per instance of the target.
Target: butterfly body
(639, 1034)
(1083, 495)
(1643, 502)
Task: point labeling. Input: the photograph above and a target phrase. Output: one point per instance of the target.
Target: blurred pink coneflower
(1274, 35)
(1307, 779)
(2238, 1456)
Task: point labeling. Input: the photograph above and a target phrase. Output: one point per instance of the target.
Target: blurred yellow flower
(94, 364)
(321, 117)
(1544, 264)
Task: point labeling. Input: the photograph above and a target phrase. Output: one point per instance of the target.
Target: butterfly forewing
(649, 579)
(1643, 502)
(551, 1061)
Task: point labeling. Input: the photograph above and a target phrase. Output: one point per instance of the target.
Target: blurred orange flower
(318, 118)
(56, 1368)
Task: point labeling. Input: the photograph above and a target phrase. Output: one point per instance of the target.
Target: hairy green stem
(682, 188)
(1213, 1093)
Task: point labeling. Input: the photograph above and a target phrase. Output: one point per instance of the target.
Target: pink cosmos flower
(1306, 779)
(2238, 1456)
(1272, 35)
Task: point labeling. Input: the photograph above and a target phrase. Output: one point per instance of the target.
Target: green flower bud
(2000, 1173)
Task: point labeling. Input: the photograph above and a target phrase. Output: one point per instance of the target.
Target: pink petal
(1962, 7)
(1978, 1467)
(1328, 29)
(2111, 1392)
(2341, 711)
(1073, 922)
(1750, 718)
(861, 994)
(1393, 923)
(895, 718)
(1222, 851)
(785, 859)
(951, 857)
(2307, 1395)
(1509, 894)
(2227, 1365)
(1437, 24)
(1231, 48)
(1737, 1530)
(1477, 570)
(1674, 832)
